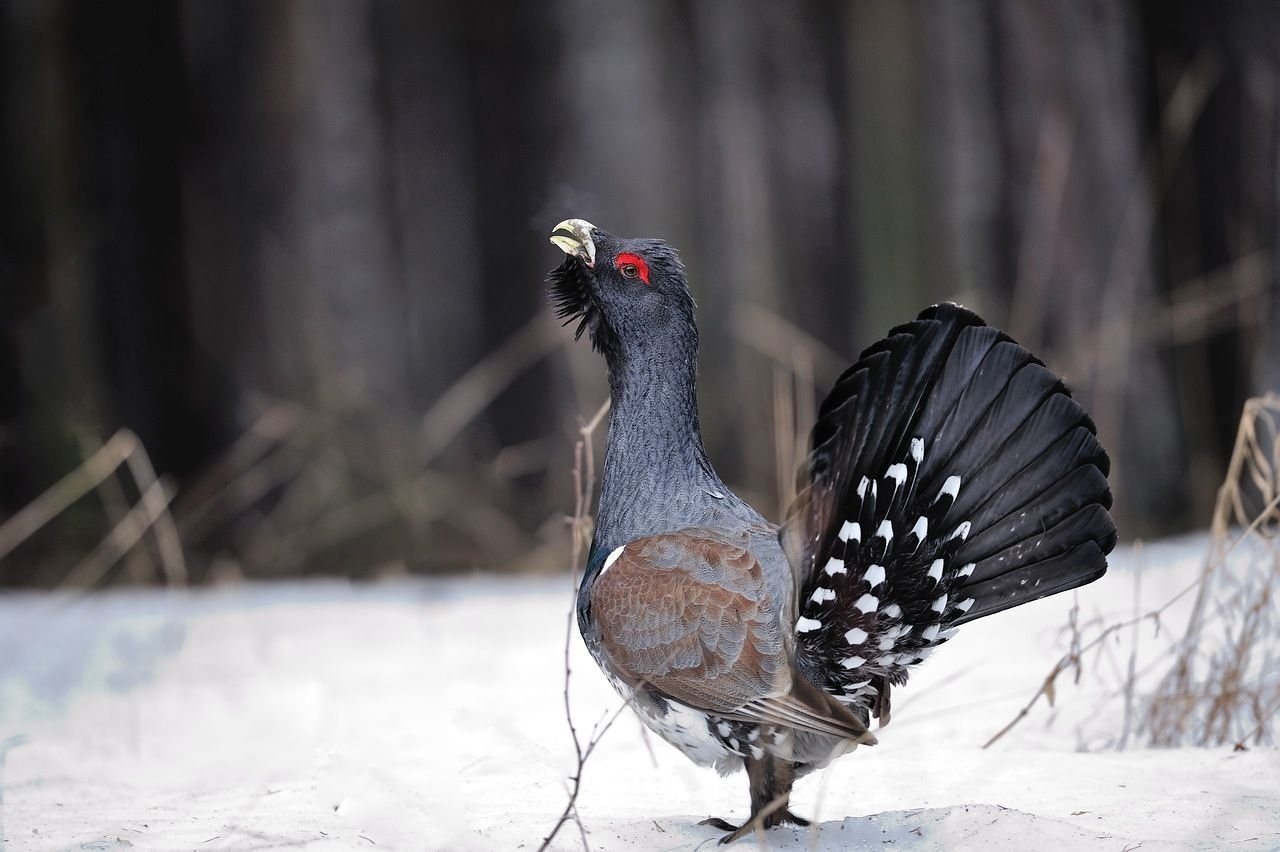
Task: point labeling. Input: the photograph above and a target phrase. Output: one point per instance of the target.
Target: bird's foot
(737, 832)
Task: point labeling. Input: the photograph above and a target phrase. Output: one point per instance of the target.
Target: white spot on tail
(612, 558)
(917, 449)
(867, 603)
(856, 636)
(964, 605)
(862, 488)
(961, 532)
(951, 487)
(940, 604)
(874, 575)
(885, 531)
(921, 529)
(850, 530)
(835, 566)
(930, 633)
(804, 625)
(966, 570)
(852, 662)
(935, 571)
(898, 473)
(820, 594)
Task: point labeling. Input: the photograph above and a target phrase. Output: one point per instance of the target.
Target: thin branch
(580, 527)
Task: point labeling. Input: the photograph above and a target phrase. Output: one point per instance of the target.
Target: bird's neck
(656, 473)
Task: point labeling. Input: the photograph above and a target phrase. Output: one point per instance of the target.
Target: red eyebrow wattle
(635, 260)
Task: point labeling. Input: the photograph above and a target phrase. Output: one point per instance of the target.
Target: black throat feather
(573, 297)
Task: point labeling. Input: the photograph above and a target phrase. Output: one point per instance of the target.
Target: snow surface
(429, 715)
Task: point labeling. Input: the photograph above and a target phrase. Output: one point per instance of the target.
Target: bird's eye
(632, 266)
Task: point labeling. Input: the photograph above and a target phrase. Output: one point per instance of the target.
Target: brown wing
(688, 614)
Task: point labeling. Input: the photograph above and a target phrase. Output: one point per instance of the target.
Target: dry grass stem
(150, 513)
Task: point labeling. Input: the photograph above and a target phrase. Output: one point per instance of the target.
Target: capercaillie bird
(950, 476)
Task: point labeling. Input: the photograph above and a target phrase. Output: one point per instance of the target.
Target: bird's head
(628, 293)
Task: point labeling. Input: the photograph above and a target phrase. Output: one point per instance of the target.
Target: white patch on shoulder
(612, 558)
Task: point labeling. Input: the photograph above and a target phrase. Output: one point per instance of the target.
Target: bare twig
(581, 529)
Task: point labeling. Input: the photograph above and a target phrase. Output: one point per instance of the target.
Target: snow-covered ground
(429, 715)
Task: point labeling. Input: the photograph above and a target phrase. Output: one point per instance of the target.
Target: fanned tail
(952, 476)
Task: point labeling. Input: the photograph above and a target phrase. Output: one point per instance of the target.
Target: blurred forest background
(295, 249)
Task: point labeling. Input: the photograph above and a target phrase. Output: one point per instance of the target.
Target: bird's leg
(771, 779)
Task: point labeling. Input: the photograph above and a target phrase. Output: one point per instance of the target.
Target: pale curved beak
(578, 242)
